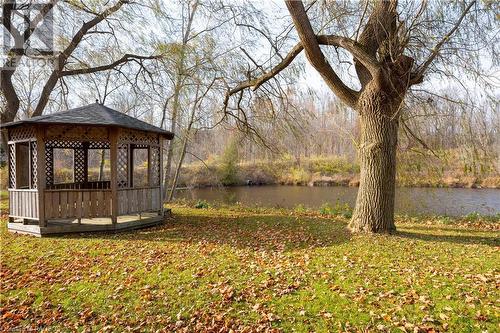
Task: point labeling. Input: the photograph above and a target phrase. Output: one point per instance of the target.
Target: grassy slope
(261, 270)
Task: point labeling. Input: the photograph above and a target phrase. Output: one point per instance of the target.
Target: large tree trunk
(9, 110)
(374, 210)
(11, 106)
(45, 95)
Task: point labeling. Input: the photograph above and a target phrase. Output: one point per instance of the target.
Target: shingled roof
(93, 114)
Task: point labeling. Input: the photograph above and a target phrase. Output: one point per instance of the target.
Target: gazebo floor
(63, 226)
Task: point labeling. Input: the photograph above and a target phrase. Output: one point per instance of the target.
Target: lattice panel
(122, 166)
(98, 145)
(49, 165)
(79, 165)
(155, 166)
(64, 144)
(83, 133)
(138, 137)
(21, 133)
(12, 166)
(77, 144)
(34, 164)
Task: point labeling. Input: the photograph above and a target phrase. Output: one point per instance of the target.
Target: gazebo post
(85, 162)
(161, 175)
(130, 165)
(40, 147)
(150, 167)
(11, 163)
(113, 157)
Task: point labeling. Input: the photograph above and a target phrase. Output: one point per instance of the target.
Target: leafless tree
(65, 62)
(394, 47)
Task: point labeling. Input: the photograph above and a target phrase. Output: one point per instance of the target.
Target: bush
(229, 164)
(300, 208)
(445, 220)
(332, 165)
(298, 176)
(338, 210)
(201, 204)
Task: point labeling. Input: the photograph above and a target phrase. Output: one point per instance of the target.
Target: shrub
(332, 165)
(472, 217)
(445, 220)
(229, 164)
(298, 176)
(300, 208)
(201, 204)
(339, 209)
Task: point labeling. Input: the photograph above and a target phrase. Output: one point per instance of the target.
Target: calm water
(441, 201)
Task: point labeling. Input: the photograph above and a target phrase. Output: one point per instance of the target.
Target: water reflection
(441, 201)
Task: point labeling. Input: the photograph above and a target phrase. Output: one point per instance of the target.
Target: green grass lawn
(261, 270)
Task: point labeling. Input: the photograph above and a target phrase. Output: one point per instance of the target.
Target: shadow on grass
(445, 228)
(457, 239)
(278, 232)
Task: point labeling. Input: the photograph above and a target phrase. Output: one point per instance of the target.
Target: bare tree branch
(126, 58)
(66, 53)
(419, 140)
(316, 56)
(348, 44)
(418, 76)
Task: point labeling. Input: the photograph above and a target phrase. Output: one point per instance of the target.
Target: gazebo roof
(93, 114)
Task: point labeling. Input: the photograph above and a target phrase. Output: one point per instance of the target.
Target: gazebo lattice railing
(46, 206)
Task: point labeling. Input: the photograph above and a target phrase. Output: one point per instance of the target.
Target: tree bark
(46, 91)
(374, 210)
(12, 100)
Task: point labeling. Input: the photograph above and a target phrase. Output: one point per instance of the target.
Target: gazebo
(41, 202)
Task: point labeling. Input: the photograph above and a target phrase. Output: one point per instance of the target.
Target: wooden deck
(64, 226)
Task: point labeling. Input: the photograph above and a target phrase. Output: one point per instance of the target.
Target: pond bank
(349, 181)
(331, 171)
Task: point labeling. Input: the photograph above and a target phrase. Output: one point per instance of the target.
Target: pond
(413, 201)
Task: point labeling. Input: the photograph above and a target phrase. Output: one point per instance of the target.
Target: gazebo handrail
(147, 187)
(98, 184)
(78, 190)
(22, 189)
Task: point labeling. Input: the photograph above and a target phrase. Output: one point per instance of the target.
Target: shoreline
(330, 172)
(409, 201)
(453, 186)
